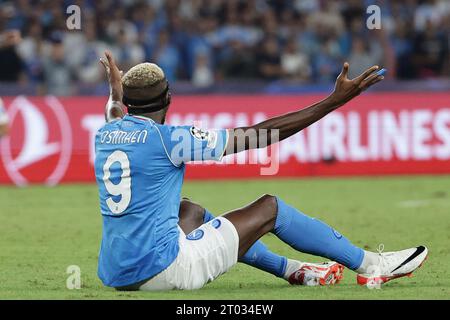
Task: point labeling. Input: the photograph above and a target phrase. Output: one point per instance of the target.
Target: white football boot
(315, 274)
(393, 265)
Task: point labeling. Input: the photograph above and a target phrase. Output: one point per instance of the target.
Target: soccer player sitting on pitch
(154, 240)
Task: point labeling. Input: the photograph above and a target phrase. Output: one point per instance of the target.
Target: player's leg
(309, 235)
(192, 216)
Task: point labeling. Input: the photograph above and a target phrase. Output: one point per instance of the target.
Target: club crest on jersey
(195, 235)
(199, 134)
(216, 223)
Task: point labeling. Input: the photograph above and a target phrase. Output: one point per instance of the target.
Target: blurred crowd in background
(206, 42)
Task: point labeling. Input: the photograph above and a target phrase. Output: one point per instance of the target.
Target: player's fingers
(110, 58)
(105, 64)
(371, 81)
(344, 71)
(368, 79)
(365, 74)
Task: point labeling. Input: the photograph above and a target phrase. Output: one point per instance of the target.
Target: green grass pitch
(44, 230)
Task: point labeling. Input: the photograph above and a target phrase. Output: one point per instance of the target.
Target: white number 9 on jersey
(123, 188)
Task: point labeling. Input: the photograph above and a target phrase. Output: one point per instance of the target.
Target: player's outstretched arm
(113, 108)
(288, 124)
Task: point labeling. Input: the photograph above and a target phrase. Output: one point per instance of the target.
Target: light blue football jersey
(139, 168)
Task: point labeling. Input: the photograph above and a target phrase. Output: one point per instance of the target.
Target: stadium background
(230, 63)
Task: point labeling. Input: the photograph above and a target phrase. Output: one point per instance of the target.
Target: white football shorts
(205, 253)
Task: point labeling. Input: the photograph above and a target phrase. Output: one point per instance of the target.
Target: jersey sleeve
(189, 143)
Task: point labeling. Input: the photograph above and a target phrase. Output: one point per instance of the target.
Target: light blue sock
(259, 256)
(312, 236)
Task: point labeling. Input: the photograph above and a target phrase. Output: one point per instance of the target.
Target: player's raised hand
(346, 89)
(114, 76)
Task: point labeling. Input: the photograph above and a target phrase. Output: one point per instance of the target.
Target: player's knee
(270, 203)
